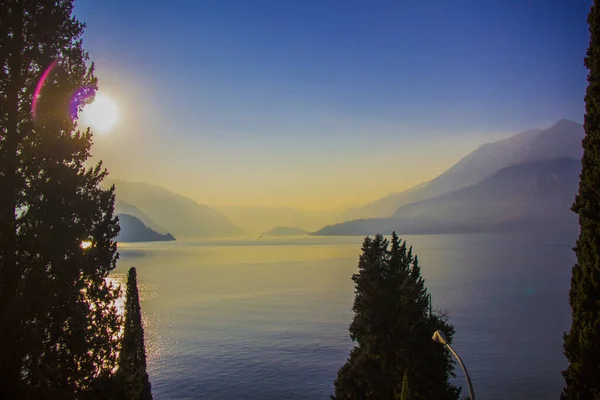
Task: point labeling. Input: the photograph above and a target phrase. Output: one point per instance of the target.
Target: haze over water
(231, 319)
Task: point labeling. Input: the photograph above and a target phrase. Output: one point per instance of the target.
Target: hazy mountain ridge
(180, 215)
(529, 196)
(539, 189)
(385, 206)
(259, 219)
(286, 231)
(134, 230)
(165, 211)
(562, 139)
(122, 207)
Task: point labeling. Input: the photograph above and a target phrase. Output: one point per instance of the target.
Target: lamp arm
(470, 386)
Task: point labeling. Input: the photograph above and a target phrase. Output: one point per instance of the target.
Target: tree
(58, 322)
(132, 376)
(405, 392)
(582, 342)
(392, 328)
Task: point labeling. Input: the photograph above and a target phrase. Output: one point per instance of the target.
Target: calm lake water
(268, 319)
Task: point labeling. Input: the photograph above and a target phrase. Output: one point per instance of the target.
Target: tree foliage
(58, 323)
(405, 392)
(392, 328)
(132, 376)
(582, 342)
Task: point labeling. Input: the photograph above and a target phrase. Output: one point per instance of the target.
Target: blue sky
(294, 80)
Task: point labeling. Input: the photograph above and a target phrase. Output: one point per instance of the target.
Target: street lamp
(440, 338)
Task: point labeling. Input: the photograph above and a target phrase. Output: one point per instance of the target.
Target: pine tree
(582, 342)
(58, 323)
(392, 328)
(405, 391)
(132, 375)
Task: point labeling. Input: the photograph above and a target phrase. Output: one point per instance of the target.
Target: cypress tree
(58, 323)
(132, 375)
(405, 392)
(392, 328)
(582, 342)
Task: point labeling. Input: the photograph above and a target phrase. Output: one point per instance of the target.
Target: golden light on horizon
(86, 244)
(101, 115)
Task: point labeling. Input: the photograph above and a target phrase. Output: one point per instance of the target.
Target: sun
(101, 115)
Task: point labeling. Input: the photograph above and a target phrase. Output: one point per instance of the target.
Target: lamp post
(440, 338)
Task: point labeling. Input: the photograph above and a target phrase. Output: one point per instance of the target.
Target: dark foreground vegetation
(60, 332)
(393, 324)
(582, 342)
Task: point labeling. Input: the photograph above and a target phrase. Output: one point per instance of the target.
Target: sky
(322, 104)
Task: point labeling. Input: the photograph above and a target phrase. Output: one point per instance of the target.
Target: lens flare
(80, 98)
(38, 88)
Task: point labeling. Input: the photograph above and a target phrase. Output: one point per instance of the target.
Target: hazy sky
(317, 103)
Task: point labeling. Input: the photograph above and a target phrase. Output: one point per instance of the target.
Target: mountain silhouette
(530, 196)
(134, 230)
(562, 139)
(179, 215)
(258, 219)
(122, 207)
(286, 231)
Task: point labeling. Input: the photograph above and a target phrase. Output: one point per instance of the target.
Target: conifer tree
(392, 328)
(132, 376)
(405, 392)
(58, 323)
(582, 342)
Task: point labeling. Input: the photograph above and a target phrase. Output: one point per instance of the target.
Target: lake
(268, 319)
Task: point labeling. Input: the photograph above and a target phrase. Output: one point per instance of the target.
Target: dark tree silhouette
(392, 328)
(582, 342)
(58, 323)
(405, 393)
(132, 375)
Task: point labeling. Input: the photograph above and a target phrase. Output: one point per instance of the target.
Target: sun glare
(101, 115)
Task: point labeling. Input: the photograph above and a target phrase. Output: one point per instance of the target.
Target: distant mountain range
(122, 207)
(134, 230)
(530, 196)
(258, 219)
(286, 231)
(527, 181)
(563, 139)
(165, 211)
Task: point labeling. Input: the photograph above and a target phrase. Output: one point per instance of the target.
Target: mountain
(286, 231)
(134, 230)
(385, 206)
(257, 219)
(122, 207)
(530, 196)
(563, 139)
(179, 215)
